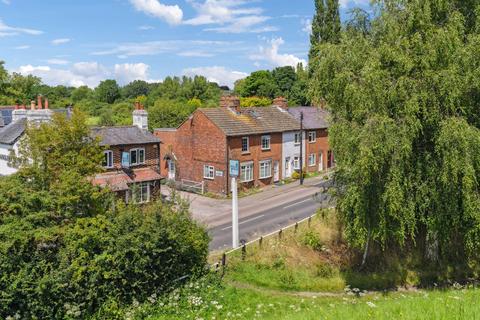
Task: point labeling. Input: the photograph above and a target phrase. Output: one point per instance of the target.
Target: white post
(235, 239)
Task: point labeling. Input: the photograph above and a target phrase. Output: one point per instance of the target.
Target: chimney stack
(281, 102)
(32, 105)
(231, 102)
(46, 103)
(140, 116)
(39, 102)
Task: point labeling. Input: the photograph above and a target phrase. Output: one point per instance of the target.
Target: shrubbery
(73, 267)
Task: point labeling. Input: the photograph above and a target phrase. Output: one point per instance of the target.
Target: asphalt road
(270, 220)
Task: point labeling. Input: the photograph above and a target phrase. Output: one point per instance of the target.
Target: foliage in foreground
(66, 247)
(403, 95)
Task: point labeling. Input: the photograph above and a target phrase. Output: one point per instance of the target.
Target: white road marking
(292, 205)
(249, 220)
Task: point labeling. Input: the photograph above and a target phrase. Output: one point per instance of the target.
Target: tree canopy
(404, 99)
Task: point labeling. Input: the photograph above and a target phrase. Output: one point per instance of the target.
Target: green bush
(72, 268)
(296, 174)
(312, 240)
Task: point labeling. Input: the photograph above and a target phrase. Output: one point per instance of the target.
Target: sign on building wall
(234, 168)
(219, 173)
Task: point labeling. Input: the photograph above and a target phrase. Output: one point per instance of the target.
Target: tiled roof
(10, 133)
(313, 117)
(254, 120)
(119, 180)
(123, 135)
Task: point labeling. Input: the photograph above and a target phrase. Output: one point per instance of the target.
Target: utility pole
(301, 148)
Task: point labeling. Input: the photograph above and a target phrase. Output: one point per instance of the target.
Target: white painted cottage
(12, 130)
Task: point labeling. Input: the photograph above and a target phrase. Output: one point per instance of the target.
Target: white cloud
(171, 14)
(6, 30)
(55, 61)
(24, 47)
(271, 55)
(143, 28)
(231, 16)
(60, 41)
(196, 54)
(179, 47)
(87, 73)
(128, 72)
(220, 75)
(6, 1)
(307, 26)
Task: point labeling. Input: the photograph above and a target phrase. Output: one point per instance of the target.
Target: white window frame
(109, 159)
(262, 164)
(208, 172)
(137, 156)
(296, 163)
(312, 136)
(266, 138)
(246, 171)
(297, 138)
(247, 139)
(312, 160)
(138, 194)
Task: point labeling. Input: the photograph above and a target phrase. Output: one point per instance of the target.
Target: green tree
(135, 89)
(285, 78)
(326, 25)
(107, 91)
(81, 93)
(405, 128)
(259, 83)
(255, 102)
(169, 113)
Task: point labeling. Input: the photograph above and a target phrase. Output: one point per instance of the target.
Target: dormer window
(137, 156)
(108, 159)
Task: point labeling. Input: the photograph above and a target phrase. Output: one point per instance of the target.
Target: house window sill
(265, 178)
(245, 153)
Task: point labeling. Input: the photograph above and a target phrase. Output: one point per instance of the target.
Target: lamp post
(234, 170)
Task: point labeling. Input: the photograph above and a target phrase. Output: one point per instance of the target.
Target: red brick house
(132, 159)
(200, 149)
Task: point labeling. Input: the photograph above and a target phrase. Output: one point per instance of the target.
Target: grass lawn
(234, 303)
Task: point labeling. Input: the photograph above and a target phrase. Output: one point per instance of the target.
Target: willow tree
(405, 100)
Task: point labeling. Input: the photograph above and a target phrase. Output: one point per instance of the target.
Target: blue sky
(77, 43)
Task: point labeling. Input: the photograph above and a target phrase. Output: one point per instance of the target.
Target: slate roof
(313, 117)
(123, 135)
(2, 122)
(254, 120)
(10, 133)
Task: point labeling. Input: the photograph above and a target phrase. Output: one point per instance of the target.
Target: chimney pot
(137, 105)
(32, 105)
(16, 106)
(46, 103)
(281, 102)
(39, 103)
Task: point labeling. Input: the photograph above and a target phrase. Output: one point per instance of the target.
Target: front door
(288, 172)
(171, 170)
(276, 171)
